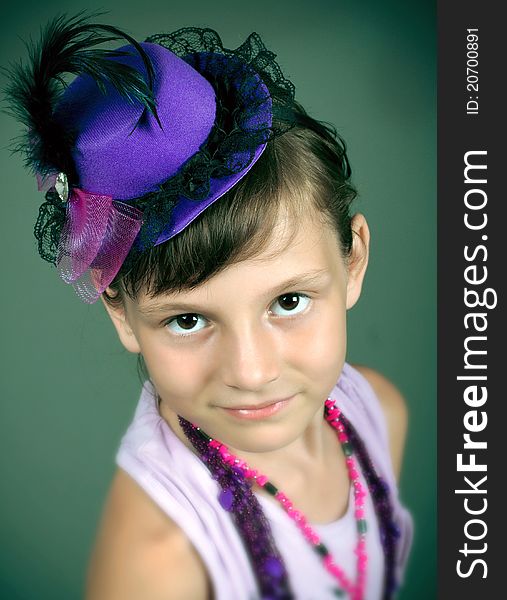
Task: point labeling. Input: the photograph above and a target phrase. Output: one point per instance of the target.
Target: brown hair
(306, 167)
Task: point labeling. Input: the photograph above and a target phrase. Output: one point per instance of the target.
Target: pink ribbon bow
(95, 240)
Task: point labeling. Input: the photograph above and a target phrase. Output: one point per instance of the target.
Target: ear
(358, 260)
(120, 322)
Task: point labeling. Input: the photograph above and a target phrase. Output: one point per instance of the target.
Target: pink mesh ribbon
(95, 240)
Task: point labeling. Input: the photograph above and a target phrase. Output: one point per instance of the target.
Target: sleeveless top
(181, 485)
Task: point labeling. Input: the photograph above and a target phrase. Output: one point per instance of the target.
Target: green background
(69, 390)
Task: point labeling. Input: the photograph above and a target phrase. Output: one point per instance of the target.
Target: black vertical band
(472, 250)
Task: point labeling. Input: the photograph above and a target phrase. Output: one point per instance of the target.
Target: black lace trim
(233, 140)
(49, 225)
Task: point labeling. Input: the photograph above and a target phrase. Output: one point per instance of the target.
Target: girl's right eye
(183, 325)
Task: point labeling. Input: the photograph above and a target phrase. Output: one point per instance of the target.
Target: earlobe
(358, 260)
(120, 322)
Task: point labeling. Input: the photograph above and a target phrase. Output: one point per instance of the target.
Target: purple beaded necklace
(235, 479)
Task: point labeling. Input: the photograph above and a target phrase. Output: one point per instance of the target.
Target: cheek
(320, 350)
(178, 375)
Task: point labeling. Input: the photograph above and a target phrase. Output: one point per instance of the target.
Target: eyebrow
(301, 279)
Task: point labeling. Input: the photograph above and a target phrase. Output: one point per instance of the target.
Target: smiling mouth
(259, 411)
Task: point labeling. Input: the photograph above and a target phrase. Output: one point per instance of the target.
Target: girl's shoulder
(140, 553)
(394, 409)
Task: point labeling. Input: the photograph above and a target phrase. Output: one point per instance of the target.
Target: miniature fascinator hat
(144, 139)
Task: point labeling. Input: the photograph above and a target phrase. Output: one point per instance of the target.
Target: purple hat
(142, 141)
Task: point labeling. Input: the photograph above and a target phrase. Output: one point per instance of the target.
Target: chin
(261, 447)
(263, 439)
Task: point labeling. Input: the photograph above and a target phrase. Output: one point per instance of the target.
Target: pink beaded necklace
(356, 588)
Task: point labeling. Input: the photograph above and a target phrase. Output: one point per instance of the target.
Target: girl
(188, 190)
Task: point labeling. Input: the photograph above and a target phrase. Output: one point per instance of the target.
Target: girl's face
(265, 329)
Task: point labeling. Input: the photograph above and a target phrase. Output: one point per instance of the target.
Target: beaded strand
(237, 498)
(333, 416)
(381, 497)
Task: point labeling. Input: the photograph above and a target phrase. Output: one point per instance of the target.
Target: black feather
(67, 45)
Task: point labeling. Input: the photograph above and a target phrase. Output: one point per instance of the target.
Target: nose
(251, 358)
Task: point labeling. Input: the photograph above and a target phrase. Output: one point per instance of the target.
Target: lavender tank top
(180, 484)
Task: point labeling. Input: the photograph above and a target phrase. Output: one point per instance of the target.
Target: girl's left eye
(291, 304)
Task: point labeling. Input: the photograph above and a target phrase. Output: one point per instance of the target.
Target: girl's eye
(185, 324)
(291, 304)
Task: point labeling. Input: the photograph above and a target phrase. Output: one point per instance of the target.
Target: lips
(257, 406)
(262, 410)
